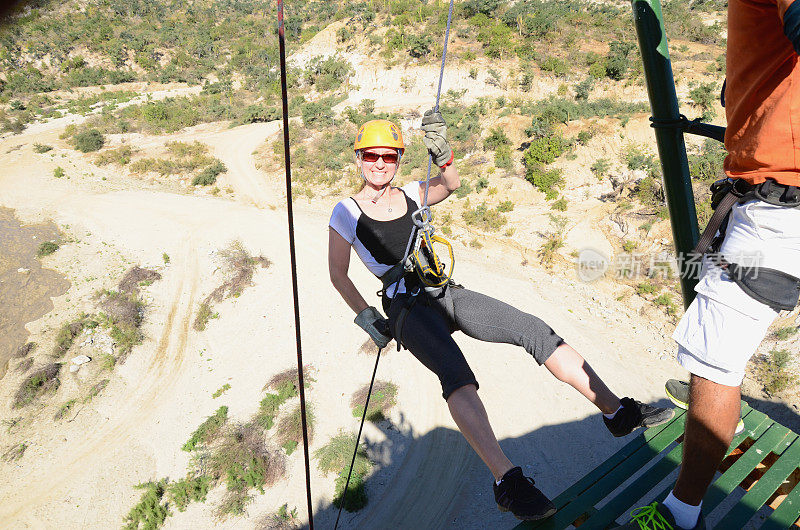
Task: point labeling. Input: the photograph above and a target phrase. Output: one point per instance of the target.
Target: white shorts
(723, 326)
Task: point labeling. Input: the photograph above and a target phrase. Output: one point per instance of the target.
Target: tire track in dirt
(167, 363)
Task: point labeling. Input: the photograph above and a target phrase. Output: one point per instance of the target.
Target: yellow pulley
(431, 270)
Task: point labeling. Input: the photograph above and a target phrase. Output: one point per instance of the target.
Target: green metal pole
(671, 148)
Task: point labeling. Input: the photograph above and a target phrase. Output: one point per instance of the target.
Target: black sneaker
(635, 414)
(517, 494)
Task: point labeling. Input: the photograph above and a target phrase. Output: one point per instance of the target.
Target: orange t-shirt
(762, 95)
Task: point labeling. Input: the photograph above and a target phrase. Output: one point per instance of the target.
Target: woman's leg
(568, 366)
(426, 334)
(473, 422)
(485, 318)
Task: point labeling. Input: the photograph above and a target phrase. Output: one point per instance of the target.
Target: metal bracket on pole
(671, 147)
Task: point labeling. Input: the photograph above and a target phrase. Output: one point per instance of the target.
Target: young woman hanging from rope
(377, 222)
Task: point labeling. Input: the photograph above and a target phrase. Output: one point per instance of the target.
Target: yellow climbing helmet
(379, 133)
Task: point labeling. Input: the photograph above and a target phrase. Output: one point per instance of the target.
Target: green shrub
(328, 73)
(221, 390)
(553, 240)
(502, 157)
(785, 332)
(150, 513)
(66, 336)
(649, 192)
(95, 390)
(46, 248)
(64, 410)
(188, 490)
(559, 205)
(647, 288)
(89, 140)
(637, 158)
(464, 189)
(204, 314)
(544, 150)
(707, 165)
(665, 301)
(497, 138)
(267, 410)
(381, 401)
(58, 172)
(107, 361)
(209, 175)
(703, 97)
(548, 181)
(555, 65)
(775, 374)
(505, 206)
(356, 498)
(208, 430)
(259, 114)
(484, 218)
(290, 426)
(120, 156)
(583, 89)
(617, 61)
(37, 384)
(336, 455)
(419, 45)
(600, 167)
(41, 148)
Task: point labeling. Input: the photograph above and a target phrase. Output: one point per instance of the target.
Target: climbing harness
(286, 154)
(422, 218)
(771, 287)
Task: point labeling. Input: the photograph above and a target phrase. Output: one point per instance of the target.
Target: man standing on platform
(736, 302)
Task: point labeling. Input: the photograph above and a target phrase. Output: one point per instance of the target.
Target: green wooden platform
(763, 460)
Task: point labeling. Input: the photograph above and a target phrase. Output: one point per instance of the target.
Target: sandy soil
(81, 473)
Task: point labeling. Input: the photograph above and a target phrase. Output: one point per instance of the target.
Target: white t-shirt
(379, 244)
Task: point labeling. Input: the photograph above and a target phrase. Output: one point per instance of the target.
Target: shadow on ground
(434, 480)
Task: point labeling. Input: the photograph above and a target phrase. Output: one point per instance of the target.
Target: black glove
(371, 321)
(435, 138)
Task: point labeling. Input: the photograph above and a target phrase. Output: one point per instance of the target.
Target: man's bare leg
(714, 411)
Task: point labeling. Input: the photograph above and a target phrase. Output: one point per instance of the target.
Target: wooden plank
(755, 423)
(759, 494)
(604, 468)
(636, 489)
(613, 461)
(611, 480)
(657, 473)
(786, 514)
(724, 485)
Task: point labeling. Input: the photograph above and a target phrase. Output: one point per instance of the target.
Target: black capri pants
(433, 317)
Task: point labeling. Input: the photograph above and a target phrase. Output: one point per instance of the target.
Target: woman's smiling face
(378, 172)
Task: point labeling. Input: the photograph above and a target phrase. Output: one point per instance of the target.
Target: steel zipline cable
(425, 217)
(293, 257)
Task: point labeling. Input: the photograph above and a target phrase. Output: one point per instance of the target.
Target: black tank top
(386, 240)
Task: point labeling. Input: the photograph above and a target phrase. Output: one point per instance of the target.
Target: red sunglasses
(369, 156)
